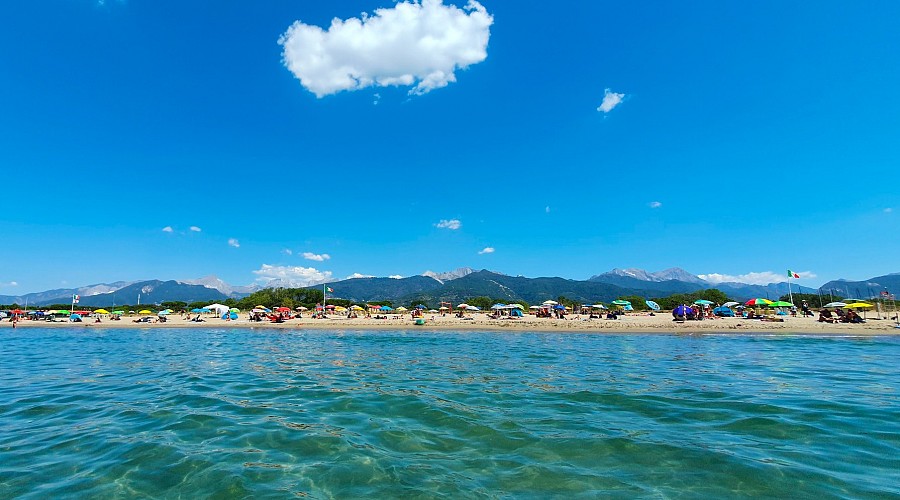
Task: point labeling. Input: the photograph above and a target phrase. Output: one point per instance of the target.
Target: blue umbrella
(386, 308)
(560, 307)
(683, 310)
(421, 306)
(652, 305)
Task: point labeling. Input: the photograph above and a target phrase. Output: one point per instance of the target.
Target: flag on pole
(792, 274)
(329, 289)
(75, 298)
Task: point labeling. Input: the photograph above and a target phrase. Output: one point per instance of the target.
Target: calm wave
(261, 413)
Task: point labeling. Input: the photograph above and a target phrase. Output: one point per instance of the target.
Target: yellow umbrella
(340, 308)
(357, 308)
(401, 308)
(101, 311)
(145, 311)
(859, 305)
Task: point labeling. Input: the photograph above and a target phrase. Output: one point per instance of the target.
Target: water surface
(111, 413)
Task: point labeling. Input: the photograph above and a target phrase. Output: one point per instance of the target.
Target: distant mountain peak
(449, 275)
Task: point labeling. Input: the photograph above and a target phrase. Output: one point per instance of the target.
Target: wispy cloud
(486, 250)
(888, 210)
(287, 251)
(449, 224)
(547, 209)
(196, 229)
(655, 204)
(9, 284)
(753, 278)
(414, 44)
(610, 101)
(359, 275)
(318, 257)
(233, 242)
(167, 229)
(292, 275)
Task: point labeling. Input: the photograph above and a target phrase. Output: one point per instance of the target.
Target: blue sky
(174, 140)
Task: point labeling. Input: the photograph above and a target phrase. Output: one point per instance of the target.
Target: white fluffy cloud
(655, 204)
(196, 229)
(292, 275)
(233, 242)
(395, 277)
(318, 257)
(449, 224)
(753, 278)
(359, 275)
(486, 250)
(610, 101)
(167, 229)
(415, 44)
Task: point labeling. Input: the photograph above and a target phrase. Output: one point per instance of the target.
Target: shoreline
(639, 324)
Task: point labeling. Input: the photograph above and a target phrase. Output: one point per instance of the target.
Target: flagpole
(324, 295)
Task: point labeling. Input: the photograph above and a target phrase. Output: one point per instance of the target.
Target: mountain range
(452, 286)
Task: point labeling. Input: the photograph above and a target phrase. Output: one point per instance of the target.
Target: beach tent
(723, 311)
(219, 309)
(652, 305)
(515, 313)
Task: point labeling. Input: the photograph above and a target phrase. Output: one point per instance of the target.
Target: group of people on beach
(840, 316)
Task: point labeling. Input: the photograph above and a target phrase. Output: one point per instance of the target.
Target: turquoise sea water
(350, 414)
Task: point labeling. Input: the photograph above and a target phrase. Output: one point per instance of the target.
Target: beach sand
(661, 323)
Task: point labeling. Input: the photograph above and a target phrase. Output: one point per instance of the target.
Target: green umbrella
(780, 303)
(620, 302)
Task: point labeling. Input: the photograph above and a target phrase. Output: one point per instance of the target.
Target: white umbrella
(730, 304)
(550, 302)
(835, 304)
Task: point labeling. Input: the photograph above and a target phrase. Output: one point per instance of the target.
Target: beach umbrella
(859, 305)
(443, 308)
(197, 310)
(282, 309)
(535, 307)
(549, 302)
(472, 308)
(598, 306)
(386, 308)
(730, 304)
(432, 310)
(357, 308)
(515, 306)
(620, 302)
(462, 306)
(303, 308)
(758, 302)
(401, 309)
(780, 303)
(101, 311)
(145, 311)
(835, 304)
(421, 306)
(683, 310)
(236, 310)
(163, 313)
(75, 317)
(114, 312)
(723, 311)
(498, 306)
(2, 314)
(652, 305)
(703, 302)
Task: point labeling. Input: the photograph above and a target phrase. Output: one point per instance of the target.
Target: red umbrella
(283, 309)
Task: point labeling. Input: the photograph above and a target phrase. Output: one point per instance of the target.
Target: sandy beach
(661, 323)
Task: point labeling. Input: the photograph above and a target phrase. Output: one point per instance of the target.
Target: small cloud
(287, 251)
(233, 242)
(316, 257)
(655, 204)
(449, 224)
(395, 277)
(359, 275)
(888, 210)
(610, 101)
(196, 229)
(168, 229)
(296, 276)
(11, 283)
(377, 98)
(486, 250)
(753, 278)
(547, 209)
(416, 44)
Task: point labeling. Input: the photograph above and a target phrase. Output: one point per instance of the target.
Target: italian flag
(792, 274)
(329, 289)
